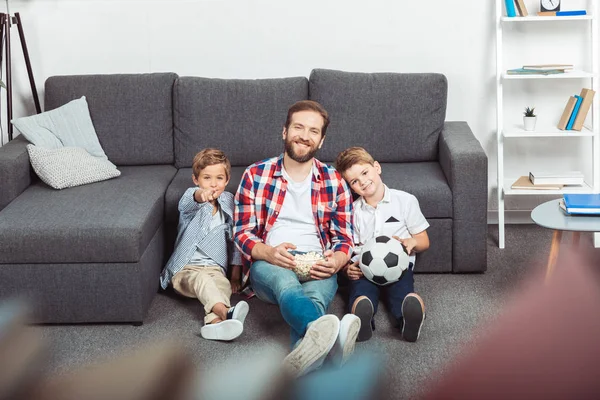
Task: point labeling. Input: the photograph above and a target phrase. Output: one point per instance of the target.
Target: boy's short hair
(352, 156)
(308, 105)
(208, 157)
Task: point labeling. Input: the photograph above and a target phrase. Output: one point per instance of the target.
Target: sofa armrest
(15, 170)
(466, 168)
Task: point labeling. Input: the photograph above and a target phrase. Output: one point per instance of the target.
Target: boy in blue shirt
(204, 248)
(383, 211)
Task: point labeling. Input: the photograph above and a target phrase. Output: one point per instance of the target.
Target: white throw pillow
(68, 125)
(69, 166)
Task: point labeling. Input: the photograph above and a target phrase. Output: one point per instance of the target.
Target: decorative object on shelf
(549, 5)
(6, 22)
(529, 118)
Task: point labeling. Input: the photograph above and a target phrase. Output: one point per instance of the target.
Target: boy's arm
(417, 243)
(236, 278)
(188, 203)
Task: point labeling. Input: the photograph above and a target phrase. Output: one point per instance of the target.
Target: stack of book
(541, 69)
(548, 181)
(557, 178)
(581, 203)
(576, 110)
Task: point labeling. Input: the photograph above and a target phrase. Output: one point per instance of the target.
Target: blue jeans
(300, 303)
(394, 293)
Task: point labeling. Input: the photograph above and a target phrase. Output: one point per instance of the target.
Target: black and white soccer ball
(383, 259)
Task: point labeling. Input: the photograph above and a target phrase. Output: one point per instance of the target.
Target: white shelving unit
(583, 78)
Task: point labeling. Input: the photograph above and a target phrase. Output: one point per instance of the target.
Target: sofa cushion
(426, 181)
(132, 113)
(69, 166)
(244, 118)
(109, 221)
(68, 125)
(396, 117)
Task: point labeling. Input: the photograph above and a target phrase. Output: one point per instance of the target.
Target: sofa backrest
(244, 118)
(132, 113)
(397, 117)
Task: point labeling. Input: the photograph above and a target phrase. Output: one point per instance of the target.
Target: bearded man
(296, 204)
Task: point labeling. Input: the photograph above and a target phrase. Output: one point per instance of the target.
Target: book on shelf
(556, 178)
(574, 113)
(564, 119)
(587, 95)
(524, 183)
(546, 67)
(521, 8)
(510, 8)
(570, 13)
(561, 13)
(526, 71)
(582, 203)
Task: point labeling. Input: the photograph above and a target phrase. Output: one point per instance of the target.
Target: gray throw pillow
(68, 125)
(69, 166)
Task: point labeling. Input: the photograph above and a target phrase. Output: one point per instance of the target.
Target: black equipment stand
(6, 21)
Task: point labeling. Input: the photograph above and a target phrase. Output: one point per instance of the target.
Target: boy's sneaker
(363, 309)
(344, 344)
(239, 311)
(413, 315)
(314, 346)
(224, 330)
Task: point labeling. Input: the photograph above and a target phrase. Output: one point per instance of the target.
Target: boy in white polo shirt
(383, 211)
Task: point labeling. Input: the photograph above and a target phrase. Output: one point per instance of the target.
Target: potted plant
(529, 118)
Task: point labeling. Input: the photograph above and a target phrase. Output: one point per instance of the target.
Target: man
(296, 203)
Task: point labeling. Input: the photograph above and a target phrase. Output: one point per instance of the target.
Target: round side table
(550, 215)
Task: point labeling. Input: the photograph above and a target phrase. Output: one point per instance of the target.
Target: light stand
(6, 21)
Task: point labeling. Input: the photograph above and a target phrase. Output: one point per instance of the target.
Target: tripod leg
(7, 22)
(36, 100)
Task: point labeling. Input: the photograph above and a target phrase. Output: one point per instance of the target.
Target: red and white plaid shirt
(260, 196)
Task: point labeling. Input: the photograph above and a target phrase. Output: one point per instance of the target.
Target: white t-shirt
(296, 223)
(397, 214)
(200, 257)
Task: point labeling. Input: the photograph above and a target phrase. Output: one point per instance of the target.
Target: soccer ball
(383, 259)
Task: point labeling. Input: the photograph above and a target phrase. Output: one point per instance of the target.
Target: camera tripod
(6, 21)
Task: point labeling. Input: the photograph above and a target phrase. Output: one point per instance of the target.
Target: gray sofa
(94, 253)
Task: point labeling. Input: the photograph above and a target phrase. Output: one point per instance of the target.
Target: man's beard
(289, 149)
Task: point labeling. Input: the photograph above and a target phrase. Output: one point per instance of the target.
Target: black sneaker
(363, 309)
(413, 315)
(239, 311)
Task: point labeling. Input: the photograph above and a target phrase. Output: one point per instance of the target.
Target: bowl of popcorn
(304, 261)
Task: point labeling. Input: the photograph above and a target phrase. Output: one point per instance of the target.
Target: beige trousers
(205, 283)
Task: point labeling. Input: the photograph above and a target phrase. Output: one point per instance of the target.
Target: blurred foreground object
(156, 371)
(545, 345)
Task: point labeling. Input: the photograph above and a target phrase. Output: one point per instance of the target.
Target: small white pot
(529, 123)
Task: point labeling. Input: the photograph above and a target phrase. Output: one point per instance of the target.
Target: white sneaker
(224, 330)
(312, 350)
(344, 344)
(239, 311)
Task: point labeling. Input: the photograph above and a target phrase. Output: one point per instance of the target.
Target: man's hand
(353, 271)
(409, 243)
(323, 269)
(280, 256)
(204, 195)
(236, 278)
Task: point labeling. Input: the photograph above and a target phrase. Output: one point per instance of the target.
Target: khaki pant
(207, 284)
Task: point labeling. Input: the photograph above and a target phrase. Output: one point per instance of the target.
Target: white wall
(276, 38)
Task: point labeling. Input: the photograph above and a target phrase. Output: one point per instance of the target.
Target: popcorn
(303, 264)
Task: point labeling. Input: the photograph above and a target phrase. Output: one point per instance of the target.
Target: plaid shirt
(260, 196)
